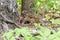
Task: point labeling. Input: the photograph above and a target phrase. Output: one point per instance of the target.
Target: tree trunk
(27, 6)
(28, 12)
(8, 15)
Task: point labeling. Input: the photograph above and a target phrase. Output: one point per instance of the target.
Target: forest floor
(9, 20)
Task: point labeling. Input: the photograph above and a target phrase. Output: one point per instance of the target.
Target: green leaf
(55, 21)
(12, 38)
(48, 17)
(44, 31)
(56, 38)
(17, 31)
(25, 31)
(28, 37)
(9, 34)
(37, 25)
(51, 37)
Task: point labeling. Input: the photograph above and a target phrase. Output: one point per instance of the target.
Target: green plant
(13, 33)
(55, 21)
(38, 4)
(46, 4)
(44, 34)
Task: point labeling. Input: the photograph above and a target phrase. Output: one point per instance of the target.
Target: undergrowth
(46, 5)
(43, 34)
